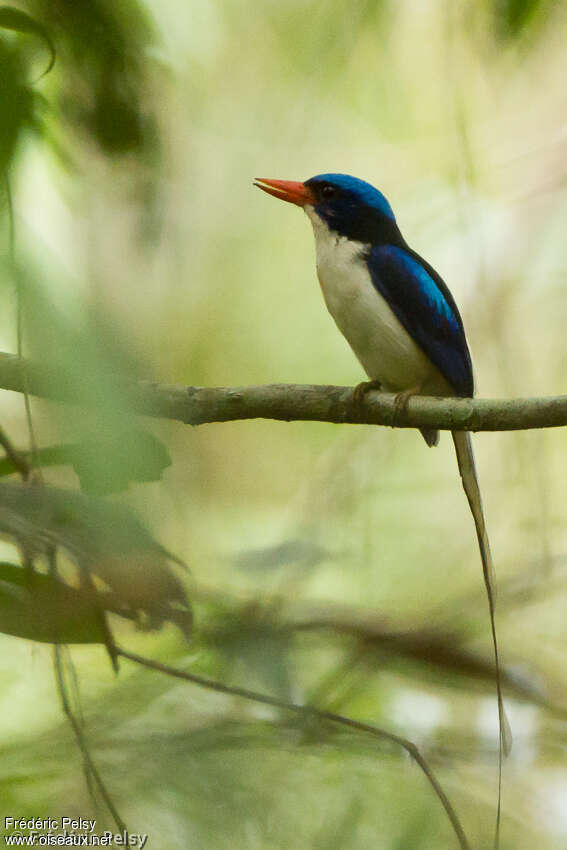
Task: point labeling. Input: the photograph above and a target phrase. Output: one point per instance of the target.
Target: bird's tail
(467, 469)
(431, 436)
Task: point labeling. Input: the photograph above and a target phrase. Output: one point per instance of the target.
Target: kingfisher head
(347, 206)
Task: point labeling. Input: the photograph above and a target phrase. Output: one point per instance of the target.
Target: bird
(402, 323)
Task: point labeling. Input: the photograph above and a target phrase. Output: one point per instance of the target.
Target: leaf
(104, 539)
(111, 465)
(17, 104)
(41, 608)
(18, 21)
(106, 466)
(514, 18)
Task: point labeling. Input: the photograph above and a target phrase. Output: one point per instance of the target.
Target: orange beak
(287, 190)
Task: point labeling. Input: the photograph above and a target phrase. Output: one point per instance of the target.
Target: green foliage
(105, 466)
(103, 539)
(516, 17)
(16, 102)
(19, 103)
(18, 21)
(42, 608)
(104, 57)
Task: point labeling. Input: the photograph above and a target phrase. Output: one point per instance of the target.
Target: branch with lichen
(289, 402)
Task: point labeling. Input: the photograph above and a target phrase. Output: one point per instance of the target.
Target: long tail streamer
(467, 469)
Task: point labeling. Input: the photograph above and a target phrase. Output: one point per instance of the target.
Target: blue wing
(423, 304)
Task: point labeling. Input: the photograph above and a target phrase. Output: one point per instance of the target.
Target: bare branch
(288, 402)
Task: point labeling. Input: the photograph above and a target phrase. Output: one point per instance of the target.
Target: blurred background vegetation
(333, 565)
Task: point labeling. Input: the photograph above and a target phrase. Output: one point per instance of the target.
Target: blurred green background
(140, 244)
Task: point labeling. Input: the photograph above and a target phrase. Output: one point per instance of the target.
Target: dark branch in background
(308, 711)
(287, 402)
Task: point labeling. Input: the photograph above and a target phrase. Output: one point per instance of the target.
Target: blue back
(422, 303)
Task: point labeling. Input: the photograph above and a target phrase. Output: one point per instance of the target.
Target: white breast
(384, 348)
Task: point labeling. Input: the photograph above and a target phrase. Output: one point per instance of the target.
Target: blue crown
(364, 192)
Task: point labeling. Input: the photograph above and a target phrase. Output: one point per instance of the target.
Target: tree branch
(288, 402)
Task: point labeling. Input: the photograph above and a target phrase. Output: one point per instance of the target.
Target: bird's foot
(401, 402)
(361, 389)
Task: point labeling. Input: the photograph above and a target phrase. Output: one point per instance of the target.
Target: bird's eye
(328, 192)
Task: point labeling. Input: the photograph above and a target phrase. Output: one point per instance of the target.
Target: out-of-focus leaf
(15, 19)
(42, 608)
(105, 466)
(89, 353)
(85, 526)
(94, 362)
(16, 103)
(109, 466)
(515, 17)
(97, 364)
(104, 538)
(104, 48)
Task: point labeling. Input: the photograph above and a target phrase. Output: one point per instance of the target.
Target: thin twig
(90, 766)
(310, 711)
(92, 775)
